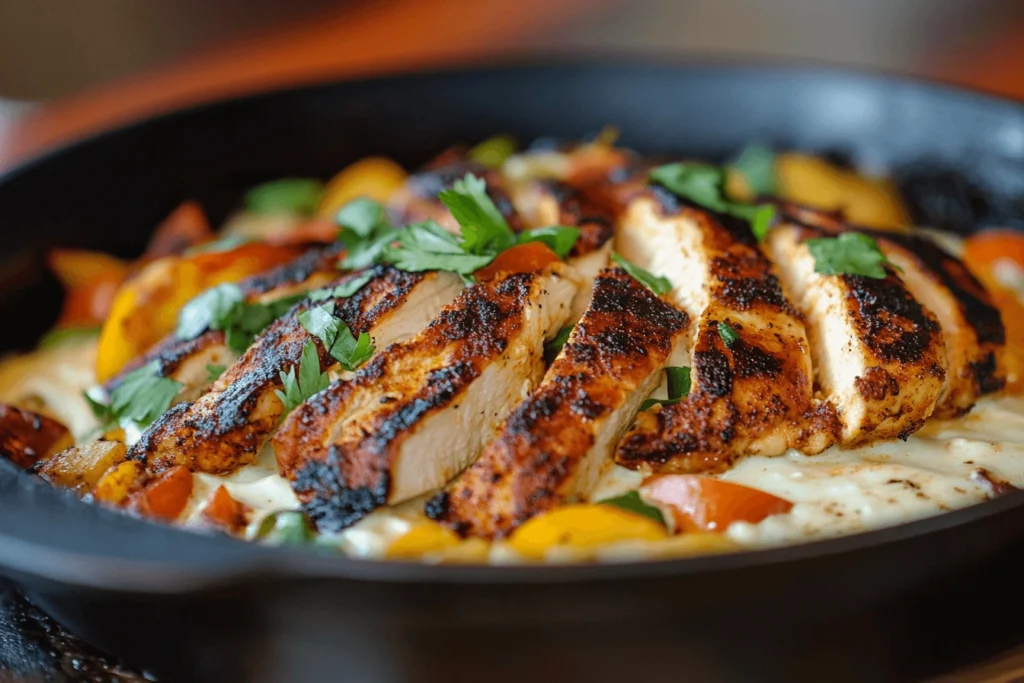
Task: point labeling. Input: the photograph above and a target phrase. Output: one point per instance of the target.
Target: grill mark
(595, 222)
(329, 502)
(427, 184)
(891, 322)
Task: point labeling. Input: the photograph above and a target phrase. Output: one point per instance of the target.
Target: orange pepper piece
(522, 258)
(708, 504)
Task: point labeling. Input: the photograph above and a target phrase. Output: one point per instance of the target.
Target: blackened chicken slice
(419, 412)
(186, 360)
(555, 445)
(228, 426)
(878, 353)
(752, 380)
(971, 325)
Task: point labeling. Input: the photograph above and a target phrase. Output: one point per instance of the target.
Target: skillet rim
(241, 560)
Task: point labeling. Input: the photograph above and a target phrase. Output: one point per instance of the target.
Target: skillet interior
(108, 192)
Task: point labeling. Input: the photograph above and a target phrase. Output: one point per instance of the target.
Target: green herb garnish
(224, 308)
(493, 152)
(428, 246)
(337, 338)
(757, 164)
(705, 185)
(484, 229)
(344, 290)
(552, 348)
(309, 380)
(360, 216)
(141, 397)
(728, 334)
(365, 233)
(632, 502)
(657, 284)
(213, 371)
(851, 253)
(299, 196)
(678, 379)
(560, 238)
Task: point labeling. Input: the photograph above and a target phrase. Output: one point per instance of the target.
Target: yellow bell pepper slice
(422, 539)
(373, 177)
(582, 527)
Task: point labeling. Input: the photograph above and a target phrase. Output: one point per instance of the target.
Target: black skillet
(892, 604)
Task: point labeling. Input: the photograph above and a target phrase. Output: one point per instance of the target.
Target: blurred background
(68, 68)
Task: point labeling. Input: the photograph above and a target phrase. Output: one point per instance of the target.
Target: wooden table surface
(367, 38)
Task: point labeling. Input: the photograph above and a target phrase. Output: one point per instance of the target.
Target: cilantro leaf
(484, 229)
(705, 185)
(757, 164)
(493, 152)
(309, 381)
(428, 246)
(336, 336)
(560, 238)
(678, 387)
(552, 348)
(141, 397)
(728, 334)
(368, 252)
(289, 195)
(657, 284)
(360, 216)
(208, 310)
(344, 290)
(851, 253)
(633, 503)
(213, 372)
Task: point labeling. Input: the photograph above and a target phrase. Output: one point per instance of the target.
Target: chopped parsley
(365, 232)
(851, 253)
(213, 371)
(493, 152)
(299, 196)
(560, 238)
(633, 503)
(344, 290)
(678, 379)
(142, 397)
(309, 380)
(224, 308)
(360, 217)
(428, 246)
(484, 229)
(657, 284)
(337, 338)
(552, 348)
(728, 334)
(704, 184)
(757, 164)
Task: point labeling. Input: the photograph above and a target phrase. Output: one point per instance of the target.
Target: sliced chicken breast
(878, 352)
(971, 325)
(419, 412)
(228, 426)
(186, 360)
(553, 447)
(752, 380)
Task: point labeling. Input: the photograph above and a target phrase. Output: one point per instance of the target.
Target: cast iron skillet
(890, 604)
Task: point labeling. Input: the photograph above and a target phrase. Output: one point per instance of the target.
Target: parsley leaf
(757, 164)
(338, 339)
(289, 195)
(344, 290)
(560, 238)
(484, 229)
(705, 185)
(552, 348)
(657, 284)
(728, 334)
(368, 252)
(851, 253)
(365, 233)
(213, 372)
(309, 381)
(224, 308)
(678, 387)
(633, 503)
(360, 216)
(493, 152)
(428, 246)
(141, 397)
